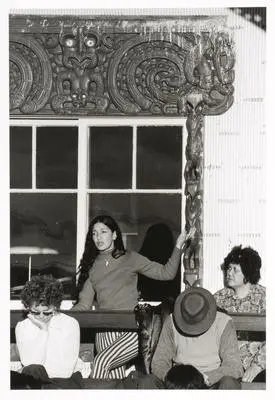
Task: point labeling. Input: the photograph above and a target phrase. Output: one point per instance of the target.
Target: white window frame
(82, 190)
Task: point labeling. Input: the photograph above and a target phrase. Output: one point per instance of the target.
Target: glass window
(44, 224)
(135, 212)
(159, 157)
(20, 157)
(111, 157)
(57, 157)
(43, 238)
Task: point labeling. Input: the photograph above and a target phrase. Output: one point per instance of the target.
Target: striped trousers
(114, 350)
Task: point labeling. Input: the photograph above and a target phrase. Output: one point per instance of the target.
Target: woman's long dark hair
(90, 251)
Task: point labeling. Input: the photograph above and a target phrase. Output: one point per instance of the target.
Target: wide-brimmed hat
(194, 311)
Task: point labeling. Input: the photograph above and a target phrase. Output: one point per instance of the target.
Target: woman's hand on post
(183, 237)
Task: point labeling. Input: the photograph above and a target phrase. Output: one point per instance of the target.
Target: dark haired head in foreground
(184, 377)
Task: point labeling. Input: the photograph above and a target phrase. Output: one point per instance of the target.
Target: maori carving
(154, 75)
(20, 79)
(81, 68)
(193, 189)
(209, 68)
(144, 75)
(220, 97)
(78, 82)
(30, 74)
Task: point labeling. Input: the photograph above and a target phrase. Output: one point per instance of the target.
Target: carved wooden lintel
(62, 66)
(102, 66)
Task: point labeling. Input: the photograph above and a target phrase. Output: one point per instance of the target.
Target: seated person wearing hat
(199, 335)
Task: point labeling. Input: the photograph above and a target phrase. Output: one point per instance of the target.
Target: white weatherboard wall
(235, 160)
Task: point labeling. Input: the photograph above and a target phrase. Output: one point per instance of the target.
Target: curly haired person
(48, 341)
(243, 294)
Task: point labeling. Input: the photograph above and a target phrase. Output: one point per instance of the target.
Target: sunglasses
(45, 313)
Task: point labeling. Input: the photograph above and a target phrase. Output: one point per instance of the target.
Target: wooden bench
(251, 323)
(125, 320)
(118, 320)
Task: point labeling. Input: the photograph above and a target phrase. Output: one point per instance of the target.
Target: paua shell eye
(69, 42)
(90, 41)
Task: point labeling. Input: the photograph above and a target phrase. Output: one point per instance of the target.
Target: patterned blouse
(252, 352)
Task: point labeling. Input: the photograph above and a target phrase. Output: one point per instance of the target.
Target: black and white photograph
(137, 201)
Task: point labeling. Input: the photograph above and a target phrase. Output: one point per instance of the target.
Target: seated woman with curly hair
(48, 341)
(243, 294)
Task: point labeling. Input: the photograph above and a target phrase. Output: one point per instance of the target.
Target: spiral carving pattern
(31, 69)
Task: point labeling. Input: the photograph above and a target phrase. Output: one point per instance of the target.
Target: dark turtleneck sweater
(114, 280)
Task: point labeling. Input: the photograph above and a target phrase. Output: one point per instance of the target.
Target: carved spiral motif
(146, 75)
(35, 72)
(21, 79)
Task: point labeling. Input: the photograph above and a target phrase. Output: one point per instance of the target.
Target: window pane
(57, 157)
(43, 226)
(135, 214)
(159, 157)
(111, 157)
(20, 157)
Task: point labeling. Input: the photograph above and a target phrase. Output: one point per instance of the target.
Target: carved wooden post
(194, 189)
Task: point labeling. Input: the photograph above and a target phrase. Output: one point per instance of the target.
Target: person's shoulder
(23, 324)
(134, 255)
(222, 320)
(224, 292)
(123, 255)
(259, 288)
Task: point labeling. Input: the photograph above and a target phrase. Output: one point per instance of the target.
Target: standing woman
(110, 272)
(243, 293)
